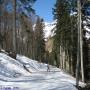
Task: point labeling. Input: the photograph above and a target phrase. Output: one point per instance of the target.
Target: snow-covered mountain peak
(48, 29)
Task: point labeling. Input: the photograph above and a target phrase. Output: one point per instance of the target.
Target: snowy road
(38, 79)
(41, 81)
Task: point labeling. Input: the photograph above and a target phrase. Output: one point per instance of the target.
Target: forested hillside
(64, 42)
(17, 30)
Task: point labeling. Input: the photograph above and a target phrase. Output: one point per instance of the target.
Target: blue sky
(44, 9)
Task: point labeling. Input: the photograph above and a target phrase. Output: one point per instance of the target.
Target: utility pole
(80, 47)
(14, 25)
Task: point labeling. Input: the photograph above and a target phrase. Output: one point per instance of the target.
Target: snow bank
(34, 66)
(37, 79)
(10, 67)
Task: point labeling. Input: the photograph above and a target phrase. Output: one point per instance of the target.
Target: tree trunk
(14, 26)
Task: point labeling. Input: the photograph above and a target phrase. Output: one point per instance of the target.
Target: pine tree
(39, 40)
(9, 21)
(85, 14)
(66, 34)
(61, 14)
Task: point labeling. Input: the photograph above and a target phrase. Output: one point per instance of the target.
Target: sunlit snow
(14, 75)
(48, 29)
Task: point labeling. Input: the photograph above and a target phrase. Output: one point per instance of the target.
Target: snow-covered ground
(26, 74)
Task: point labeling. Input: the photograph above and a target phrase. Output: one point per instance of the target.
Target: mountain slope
(48, 29)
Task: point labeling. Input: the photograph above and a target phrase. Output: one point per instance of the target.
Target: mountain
(49, 29)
